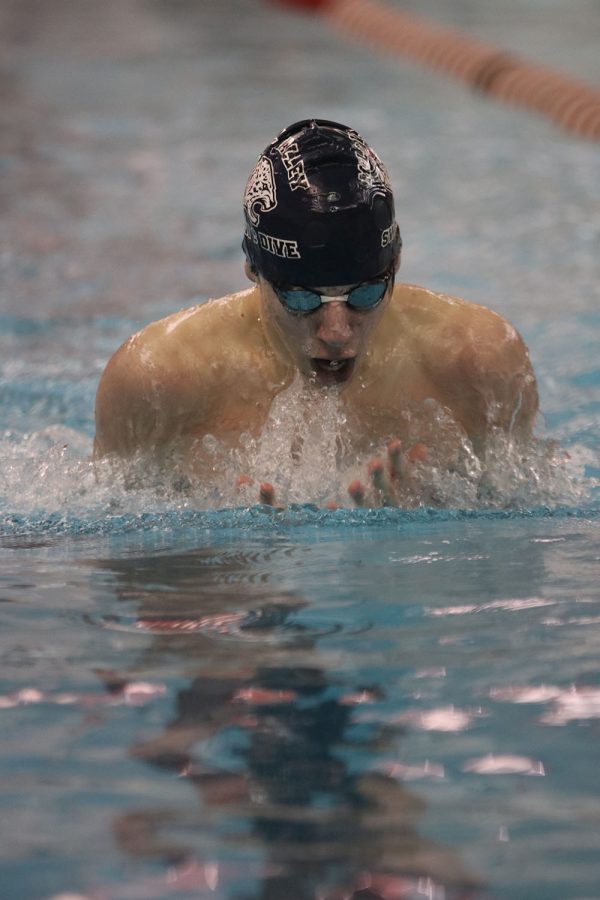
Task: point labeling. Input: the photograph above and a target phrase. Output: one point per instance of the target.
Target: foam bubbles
(305, 452)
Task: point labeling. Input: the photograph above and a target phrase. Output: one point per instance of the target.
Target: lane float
(570, 103)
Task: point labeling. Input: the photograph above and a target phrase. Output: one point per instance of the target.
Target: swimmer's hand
(390, 482)
(393, 482)
(266, 491)
(266, 494)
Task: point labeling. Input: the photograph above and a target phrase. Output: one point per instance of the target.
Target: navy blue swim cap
(319, 209)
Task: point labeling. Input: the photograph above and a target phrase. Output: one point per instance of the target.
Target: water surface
(239, 702)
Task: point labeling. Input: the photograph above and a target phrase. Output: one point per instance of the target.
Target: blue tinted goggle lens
(363, 296)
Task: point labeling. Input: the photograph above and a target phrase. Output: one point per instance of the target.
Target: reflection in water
(290, 804)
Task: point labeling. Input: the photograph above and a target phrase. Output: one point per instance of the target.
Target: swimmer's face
(328, 344)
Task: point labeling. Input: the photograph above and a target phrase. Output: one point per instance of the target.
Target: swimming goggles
(364, 296)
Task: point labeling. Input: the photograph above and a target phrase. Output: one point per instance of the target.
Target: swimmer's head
(319, 209)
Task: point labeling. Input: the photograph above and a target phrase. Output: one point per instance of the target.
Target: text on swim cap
(286, 249)
(294, 165)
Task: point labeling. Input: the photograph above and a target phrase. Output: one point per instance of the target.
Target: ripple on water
(271, 623)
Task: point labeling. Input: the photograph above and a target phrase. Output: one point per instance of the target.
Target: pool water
(200, 698)
(292, 710)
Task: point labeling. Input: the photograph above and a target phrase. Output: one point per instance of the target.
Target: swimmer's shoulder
(171, 372)
(423, 306)
(475, 359)
(195, 328)
(467, 345)
(189, 339)
(445, 327)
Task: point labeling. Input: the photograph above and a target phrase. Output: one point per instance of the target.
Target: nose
(335, 324)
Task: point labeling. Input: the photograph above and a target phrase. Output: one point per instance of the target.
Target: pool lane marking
(571, 104)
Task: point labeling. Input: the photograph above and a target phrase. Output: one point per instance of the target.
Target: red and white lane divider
(571, 104)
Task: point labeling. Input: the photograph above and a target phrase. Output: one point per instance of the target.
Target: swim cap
(319, 208)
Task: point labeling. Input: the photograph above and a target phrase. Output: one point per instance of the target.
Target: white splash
(506, 764)
(401, 771)
(574, 705)
(528, 693)
(304, 451)
(443, 718)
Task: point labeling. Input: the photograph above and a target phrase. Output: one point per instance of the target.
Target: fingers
(417, 453)
(391, 481)
(357, 491)
(266, 494)
(243, 481)
(394, 452)
(382, 489)
(376, 473)
(394, 485)
(266, 491)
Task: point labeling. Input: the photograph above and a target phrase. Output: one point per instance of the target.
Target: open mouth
(332, 371)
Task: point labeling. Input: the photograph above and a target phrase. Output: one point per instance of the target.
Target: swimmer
(322, 249)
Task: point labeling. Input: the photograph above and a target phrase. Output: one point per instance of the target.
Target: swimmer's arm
(143, 402)
(128, 407)
(494, 381)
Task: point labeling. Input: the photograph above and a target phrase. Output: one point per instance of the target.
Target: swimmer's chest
(383, 401)
(371, 415)
(234, 418)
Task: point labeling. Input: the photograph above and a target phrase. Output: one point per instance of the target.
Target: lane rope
(570, 103)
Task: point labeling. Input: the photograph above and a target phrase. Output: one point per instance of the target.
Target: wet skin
(326, 344)
(216, 369)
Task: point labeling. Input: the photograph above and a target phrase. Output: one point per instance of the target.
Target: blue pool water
(240, 702)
